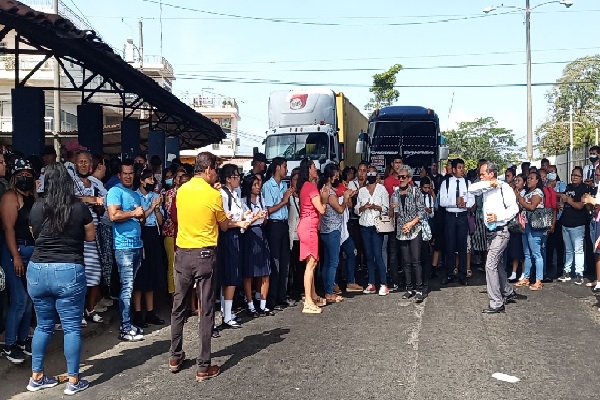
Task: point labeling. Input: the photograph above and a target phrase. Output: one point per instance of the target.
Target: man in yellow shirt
(199, 214)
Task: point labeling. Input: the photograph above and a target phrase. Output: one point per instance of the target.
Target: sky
(247, 49)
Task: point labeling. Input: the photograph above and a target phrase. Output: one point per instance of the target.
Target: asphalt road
(367, 347)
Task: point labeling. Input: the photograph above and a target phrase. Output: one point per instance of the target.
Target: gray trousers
(497, 282)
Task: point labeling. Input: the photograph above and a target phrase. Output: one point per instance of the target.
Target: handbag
(540, 218)
(384, 224)
(517, 224)
(471, 220)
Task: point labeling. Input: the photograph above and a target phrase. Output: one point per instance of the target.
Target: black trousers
(194, 266)
(279, 245)
(394, 260)
(555, 243)
(426, 254)
(590, 257)
(456, 232)
(410, 251)
(354, 231)
(297, 268)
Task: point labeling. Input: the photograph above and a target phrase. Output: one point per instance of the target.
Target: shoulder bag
(384, 224)
(517, 223)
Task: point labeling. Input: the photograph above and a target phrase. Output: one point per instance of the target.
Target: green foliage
(578, 87)
(383, 90)
(482, 138)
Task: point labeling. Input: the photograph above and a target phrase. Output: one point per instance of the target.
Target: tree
(579, 88)
(482, 138)
(384, 93)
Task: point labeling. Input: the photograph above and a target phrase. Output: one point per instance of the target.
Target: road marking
(505, 378)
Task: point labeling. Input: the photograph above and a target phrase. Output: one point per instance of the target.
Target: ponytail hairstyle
(303, 173)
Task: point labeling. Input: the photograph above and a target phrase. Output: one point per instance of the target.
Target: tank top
(22, 231)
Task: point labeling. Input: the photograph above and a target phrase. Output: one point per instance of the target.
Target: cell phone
(206, 253)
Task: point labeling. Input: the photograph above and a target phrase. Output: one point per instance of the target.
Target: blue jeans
(57, 287)
(544, 251)
(20, 309)
(373, 244)
(350, 250)
(128, 263)
(532, 249)
(331, 257)
(573, 238)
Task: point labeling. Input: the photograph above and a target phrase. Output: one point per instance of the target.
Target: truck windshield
(295, 147)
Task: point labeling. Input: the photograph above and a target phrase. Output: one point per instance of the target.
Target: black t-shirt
(571, 217)
(63, 247)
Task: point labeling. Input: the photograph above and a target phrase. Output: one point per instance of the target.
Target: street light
(528, 9)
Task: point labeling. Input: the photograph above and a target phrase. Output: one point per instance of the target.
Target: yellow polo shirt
(199, 211)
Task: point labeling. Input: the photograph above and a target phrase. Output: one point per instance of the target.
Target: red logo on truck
(298, 101)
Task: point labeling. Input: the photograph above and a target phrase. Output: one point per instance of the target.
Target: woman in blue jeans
(331, 229)
(16, 251)
(530, 198)
(56, 276)
(373, 201)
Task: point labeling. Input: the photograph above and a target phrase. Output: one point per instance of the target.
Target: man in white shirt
(588, 170)
(454, 196)
(499, 207)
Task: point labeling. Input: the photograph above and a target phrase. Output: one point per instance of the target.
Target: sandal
(311, 309)
(92, 316)
(523, 282)
(537, 286)
(469, 273)
(333, 298)
(320, 302)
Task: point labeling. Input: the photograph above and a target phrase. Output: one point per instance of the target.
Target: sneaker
(579, 280)
(596, 289)
(383, 290)
(57, 327)
(419, 297)
(131, 335)
(73, 388)
(353, 287)
(565, 277)
(408, 294)
(370, 289)
(92, 316)
(512, 276)
(393, 287)
(83, 323)
(138, 330)
(14, 354)
(25, 346)
(43, 383)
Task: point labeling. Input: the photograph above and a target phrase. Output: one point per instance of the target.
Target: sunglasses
(402, 177)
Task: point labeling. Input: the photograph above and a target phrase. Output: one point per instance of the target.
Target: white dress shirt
(588, 171)
(500, 201)
(448, 196)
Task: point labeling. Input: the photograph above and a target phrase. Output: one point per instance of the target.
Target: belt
(278, 221)
(456, 214)
(208, 248)
(499, 228)
(22, 242)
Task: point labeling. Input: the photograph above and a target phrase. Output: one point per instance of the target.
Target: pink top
(307, 210)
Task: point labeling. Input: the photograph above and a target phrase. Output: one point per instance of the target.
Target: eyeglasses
(234, 176)
(402, 177)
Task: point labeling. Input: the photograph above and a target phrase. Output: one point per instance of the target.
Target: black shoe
(408, 294)
(14, 354)
(152, 318)
(215, 332)
(462, 281)
(513, 297)
(230, 325)
(253, 313)
(278, 307)
(446, 280)
(25, 346)
(419, 297)
(138, 320)
(433, 274)
(596, 289)
(547, 280)
(491, 310)
(579, 280)
(289, 303)
(266, 312)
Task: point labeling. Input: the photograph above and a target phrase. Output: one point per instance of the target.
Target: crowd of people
(84, 231)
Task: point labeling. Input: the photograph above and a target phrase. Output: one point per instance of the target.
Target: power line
(298, 22)
(391, 58)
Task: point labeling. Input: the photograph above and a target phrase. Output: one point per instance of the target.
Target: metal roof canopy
(53, 36)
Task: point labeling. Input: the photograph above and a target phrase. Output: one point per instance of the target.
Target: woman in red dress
(312, 204)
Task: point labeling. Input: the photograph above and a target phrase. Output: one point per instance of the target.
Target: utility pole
(56, 120)
(571, 137)
(141, 29)
(529, 107)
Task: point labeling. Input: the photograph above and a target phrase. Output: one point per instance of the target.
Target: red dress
(309, 222)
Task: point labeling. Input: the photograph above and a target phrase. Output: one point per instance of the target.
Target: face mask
(335, 183)
(551, 176)
(149, 187)
(24, 183)
(169, 182)
(371, 179)
(402, 188)
(593, 158)
(83, 175)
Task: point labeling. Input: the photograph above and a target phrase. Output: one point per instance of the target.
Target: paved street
(368, 347)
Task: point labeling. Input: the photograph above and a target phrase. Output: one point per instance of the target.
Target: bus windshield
(295, 147)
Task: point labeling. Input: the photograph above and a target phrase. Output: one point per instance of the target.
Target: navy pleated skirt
(229, 257)
(257, 259)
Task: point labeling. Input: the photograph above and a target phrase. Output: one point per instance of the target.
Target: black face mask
(149, 187)
(83, 175)
(403, 187)
(371, 179)
(424, 192)
(24, 183)
(335, 183)
(593, 159)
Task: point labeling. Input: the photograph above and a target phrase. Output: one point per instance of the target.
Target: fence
(564, 163)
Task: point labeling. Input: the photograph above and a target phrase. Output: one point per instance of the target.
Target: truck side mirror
(360, 147)
(342, 151)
